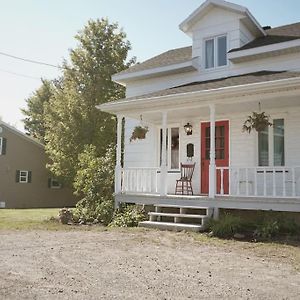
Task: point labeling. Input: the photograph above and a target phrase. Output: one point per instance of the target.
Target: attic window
(216, 52)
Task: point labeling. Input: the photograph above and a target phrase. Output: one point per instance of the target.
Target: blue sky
(44, 29)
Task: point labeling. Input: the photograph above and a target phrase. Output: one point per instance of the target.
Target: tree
(35, 112)
(72, 120)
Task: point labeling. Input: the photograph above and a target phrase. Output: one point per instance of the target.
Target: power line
(19, 74)
(30, 60)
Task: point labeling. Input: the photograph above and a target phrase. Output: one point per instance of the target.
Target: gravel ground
(140, 264)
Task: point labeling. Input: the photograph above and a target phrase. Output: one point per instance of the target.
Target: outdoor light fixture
(188, 128)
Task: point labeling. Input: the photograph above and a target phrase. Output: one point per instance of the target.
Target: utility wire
(30, 60)
(20, 75)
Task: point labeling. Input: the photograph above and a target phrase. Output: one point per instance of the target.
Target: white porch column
(118, 168)
(163, 167)
(212, 162)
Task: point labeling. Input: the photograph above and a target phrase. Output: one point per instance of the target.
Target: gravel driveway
(140, 264)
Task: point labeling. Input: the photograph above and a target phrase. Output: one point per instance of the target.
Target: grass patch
(29, 219)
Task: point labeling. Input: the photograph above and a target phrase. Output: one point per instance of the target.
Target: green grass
(29, 219)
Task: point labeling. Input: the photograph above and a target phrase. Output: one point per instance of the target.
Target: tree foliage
(35, 113)
(72, 119)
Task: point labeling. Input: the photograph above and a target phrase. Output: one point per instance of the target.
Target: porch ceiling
(195, 104)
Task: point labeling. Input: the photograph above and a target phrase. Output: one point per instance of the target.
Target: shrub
(128, 216)
(227, 226)
(288, 226)
(267, 229)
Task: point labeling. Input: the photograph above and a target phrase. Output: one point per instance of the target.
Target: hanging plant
(139, 133)
(258, 121)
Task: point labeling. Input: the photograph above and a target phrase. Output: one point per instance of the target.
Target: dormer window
(215, 52)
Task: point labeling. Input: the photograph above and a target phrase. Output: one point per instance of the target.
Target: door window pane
(263, 147)
(278, 129)
(209, 54)
(222, 51)
(174, 148)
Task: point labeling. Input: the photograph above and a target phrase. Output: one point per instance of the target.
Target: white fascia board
(263, 50)
(121, 78)
(21, 134)
(169, 101)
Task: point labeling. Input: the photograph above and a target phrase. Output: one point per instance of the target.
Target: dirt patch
(140, 264)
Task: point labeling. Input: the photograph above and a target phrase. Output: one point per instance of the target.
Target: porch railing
(139, 180)
(278, 182)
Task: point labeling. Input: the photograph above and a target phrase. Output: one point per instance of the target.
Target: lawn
(28, 218)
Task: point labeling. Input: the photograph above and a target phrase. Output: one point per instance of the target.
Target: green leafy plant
(129, 216)
(139, 133)
(267, 229)
(227, 226)
(257, 121)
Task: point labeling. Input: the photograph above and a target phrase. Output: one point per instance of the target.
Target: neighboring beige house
(24, 179)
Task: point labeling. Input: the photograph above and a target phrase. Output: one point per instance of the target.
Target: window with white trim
(23, 176)
(172, 148)
(2, 145)
(271, 150)
(215, 52)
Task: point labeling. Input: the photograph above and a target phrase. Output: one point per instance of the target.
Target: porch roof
(234, 88)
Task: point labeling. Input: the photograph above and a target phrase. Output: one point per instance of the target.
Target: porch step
(180, 206)
(161, 214)
(171, 226)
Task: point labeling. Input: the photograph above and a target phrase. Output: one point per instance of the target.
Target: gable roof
(250, 78)
(274, 35)
(21, 134)
(186, 25)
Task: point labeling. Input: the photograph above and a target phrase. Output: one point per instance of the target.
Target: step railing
(279, 182)
(139, 180)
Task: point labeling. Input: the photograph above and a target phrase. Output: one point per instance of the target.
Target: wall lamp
(188, 128)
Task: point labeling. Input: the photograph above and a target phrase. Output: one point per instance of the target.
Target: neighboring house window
(216, 52)
(2, 146)
(54, 184)
(265, 137)
(23, 176)
(172, 148)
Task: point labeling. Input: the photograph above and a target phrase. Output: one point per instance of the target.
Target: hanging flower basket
(139, 133)
(257, 121)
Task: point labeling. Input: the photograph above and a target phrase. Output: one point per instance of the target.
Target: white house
(233, 67)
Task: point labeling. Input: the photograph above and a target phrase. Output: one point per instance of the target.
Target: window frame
(271, 144)
(215, 43)
(55, 187)
(169, 128)
(1, 145)
(22, 176)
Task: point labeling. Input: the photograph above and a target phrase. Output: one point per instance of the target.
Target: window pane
(175, 148)
(278, 130)
(263, 147)
(222, 51)
(209, 54)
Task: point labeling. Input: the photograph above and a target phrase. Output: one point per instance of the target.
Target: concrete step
(171, 226)
(164, 214)
(180, 206)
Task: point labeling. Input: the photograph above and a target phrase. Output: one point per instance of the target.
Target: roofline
(117, 107)
(184, 26)
(21, 134)
(241, 54)
(120, 78)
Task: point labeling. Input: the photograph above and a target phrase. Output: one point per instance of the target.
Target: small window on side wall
(2, 146)
(54, 183)
(23, 176)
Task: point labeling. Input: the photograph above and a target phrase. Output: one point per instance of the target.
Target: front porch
(234, 169)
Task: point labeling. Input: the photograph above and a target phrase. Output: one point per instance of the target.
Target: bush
(227, 226)
(267, 229)
(129, 216)
(91, 211)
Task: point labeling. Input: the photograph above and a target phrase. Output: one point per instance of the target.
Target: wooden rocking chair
(184, 184)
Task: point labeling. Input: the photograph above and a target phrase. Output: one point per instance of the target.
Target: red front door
(222, 154)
